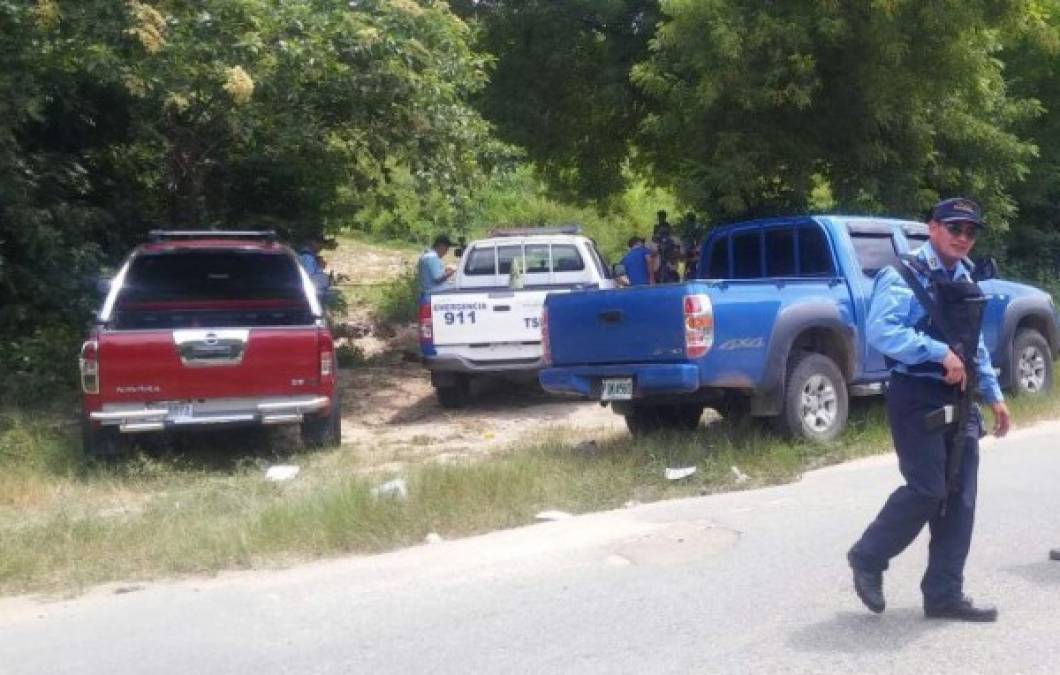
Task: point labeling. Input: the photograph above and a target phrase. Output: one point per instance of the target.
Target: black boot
(868, 586)
(963, 610)
(1054, 554)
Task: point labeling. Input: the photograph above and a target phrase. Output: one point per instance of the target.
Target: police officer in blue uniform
(926, 375)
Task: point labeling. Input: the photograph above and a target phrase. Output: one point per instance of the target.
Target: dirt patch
(389, 407)
(390, 411)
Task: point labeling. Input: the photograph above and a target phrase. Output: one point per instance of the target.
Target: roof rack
(169, 235)
(524, 231)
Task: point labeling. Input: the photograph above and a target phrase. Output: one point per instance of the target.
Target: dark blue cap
(958, 210)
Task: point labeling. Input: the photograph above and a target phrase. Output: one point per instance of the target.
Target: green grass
(66, 525)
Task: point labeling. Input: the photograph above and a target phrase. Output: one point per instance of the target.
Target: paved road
(745, 582)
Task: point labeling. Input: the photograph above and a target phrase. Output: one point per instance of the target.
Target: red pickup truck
(205, 329)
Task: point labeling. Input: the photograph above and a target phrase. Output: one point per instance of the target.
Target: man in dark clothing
(928, 374)
(666, 249)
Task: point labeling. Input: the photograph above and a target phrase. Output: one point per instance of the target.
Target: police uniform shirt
(893, 313)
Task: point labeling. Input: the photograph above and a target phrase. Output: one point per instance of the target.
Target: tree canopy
(404, 116)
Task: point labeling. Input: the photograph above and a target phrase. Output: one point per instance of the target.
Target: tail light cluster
(546, 344)
(326, 347)
(426, 328)
(699, 325)
(89, 365)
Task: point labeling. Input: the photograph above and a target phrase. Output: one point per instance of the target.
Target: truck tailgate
(177, 365)
(630, 325)
(501, 316)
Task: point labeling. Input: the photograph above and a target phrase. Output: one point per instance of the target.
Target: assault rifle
(959, 414)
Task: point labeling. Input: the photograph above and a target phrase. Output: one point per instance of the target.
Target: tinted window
(747, 255)
(505, 255)
(565, 258)
(212, 275)
(481, 262)
(815, 258)
(780, 252)
(601, 262)
(719, 259)
(211, 288)
(874, 253)
(537, 259)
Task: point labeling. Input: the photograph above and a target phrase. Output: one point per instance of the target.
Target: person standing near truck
(638, 263)
(430, 270)
(926, 375)
(666, 251)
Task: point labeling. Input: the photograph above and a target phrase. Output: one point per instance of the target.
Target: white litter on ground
(679, 473)
(553, 515)
(741, 477)
(396, 488)
(282, 472)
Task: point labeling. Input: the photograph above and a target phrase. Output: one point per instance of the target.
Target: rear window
(539, 259)
(874, 253)
(212, 288)
(747, 255)
(815, 256)
(565, 258)
(719, 259)
(482, 261)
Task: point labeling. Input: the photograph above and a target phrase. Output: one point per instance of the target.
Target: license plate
(617, 389)
(180, 410)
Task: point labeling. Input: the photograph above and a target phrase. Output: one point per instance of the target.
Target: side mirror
(985, 268)
(458, 252)
(618, 269)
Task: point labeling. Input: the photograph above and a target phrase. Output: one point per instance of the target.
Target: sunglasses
(969, 230)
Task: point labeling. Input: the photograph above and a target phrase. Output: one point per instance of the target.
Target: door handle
(611, 316)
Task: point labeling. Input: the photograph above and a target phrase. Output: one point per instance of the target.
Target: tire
(324, 431)
(816, 404)
(456, 394)
(649, 419)
(102, 442)
(1031, 364)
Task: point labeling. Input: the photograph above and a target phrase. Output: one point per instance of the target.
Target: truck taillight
(89, 364)
(426, 328)
(546, 346)
(699, 325)
(326, 347)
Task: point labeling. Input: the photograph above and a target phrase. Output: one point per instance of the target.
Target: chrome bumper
(134, 418)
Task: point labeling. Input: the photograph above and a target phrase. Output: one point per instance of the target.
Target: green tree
(560, 88)
(116, 117)
(889, 103)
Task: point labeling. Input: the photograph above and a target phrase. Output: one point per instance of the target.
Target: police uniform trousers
(922, 461)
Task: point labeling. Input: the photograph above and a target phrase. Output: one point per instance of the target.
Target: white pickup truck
(487, 321)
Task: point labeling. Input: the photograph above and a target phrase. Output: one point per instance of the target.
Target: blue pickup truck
(773, 326)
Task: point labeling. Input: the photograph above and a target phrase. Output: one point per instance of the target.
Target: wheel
(324, 431)
(102, 442)
(1032, 364)
(815, 399)
(455, 393)
(649, 419)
